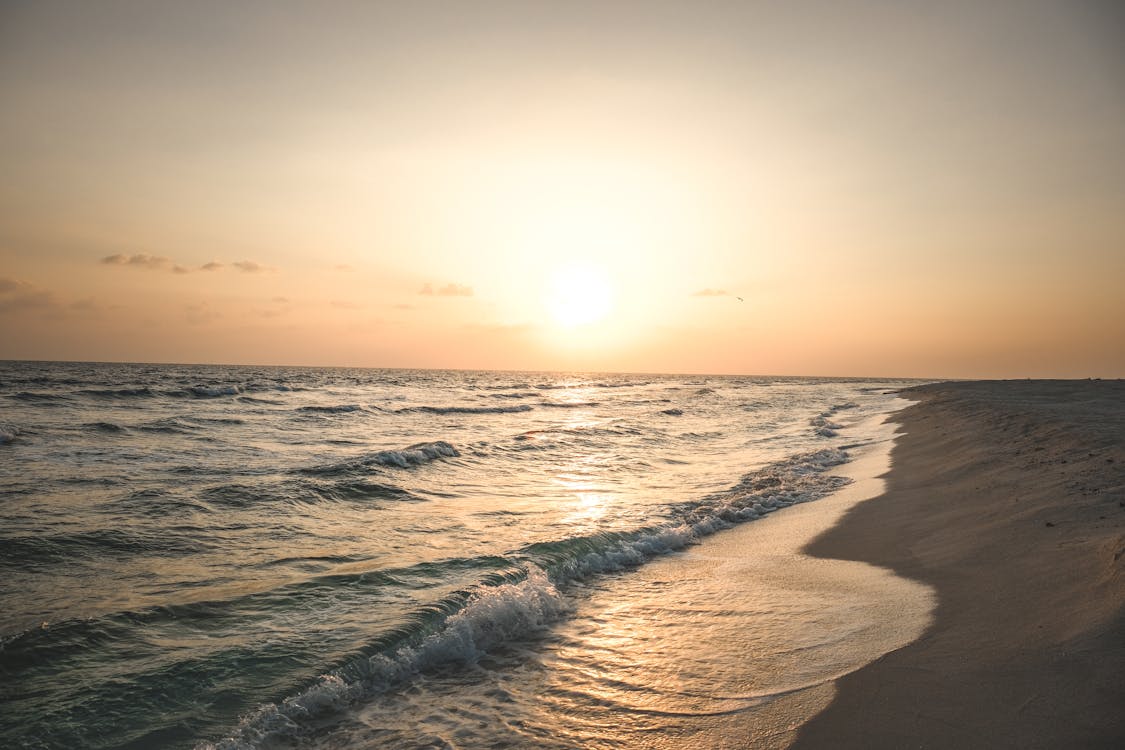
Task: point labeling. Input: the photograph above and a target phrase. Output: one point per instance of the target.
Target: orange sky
(891, 188)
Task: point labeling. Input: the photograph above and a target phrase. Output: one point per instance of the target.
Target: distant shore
(1009, 499)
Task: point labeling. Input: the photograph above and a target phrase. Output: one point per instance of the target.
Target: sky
(900, 189)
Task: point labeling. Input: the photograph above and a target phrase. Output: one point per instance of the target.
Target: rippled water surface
(266, 556)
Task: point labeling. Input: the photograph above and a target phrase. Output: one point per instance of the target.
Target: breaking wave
(465, 627)
(823, 425)
(529, 596)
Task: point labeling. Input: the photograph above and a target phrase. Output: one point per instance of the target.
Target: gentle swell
(44, 399)
(339, 409)
(20, 551)
(207, 391)
(258, 400)
(568, 404)
(104, 427)
(362, 490)
(115, 393)
(465, 409)
(405, 458)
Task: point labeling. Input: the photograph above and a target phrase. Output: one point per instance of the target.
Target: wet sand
(1008, 498)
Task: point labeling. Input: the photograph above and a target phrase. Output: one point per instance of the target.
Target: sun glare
(579, 295)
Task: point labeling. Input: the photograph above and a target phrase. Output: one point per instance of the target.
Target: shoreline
(799, 622)
(1008, 499)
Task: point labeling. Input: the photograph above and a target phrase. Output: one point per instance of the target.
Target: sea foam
(490, 616)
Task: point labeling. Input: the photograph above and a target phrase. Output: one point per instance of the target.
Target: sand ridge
(1008, 498)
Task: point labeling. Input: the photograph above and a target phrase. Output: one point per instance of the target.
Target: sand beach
(1008, 498)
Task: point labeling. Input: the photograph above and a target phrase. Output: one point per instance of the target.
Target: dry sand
(1009, 499)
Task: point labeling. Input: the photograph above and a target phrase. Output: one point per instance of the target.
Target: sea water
(219, 556)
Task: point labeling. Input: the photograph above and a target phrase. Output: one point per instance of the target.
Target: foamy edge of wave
(823, 425)
(799, 479)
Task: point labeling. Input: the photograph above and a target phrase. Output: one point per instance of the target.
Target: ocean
(256, 557)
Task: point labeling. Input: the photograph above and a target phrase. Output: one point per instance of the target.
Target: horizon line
(927, 379)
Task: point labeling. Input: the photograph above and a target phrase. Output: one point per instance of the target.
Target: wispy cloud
(200, 314)
(711, 293)
(280, 306)
(138, 260)
(160, 263)
(449, 290)
(18, 296)
(87, 305)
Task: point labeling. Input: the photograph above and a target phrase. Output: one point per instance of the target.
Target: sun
(579, 294)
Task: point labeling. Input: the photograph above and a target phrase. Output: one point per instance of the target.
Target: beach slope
(1009, 499)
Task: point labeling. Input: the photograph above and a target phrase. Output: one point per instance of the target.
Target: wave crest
(336, 409)
(405, 458)
(142, 392)
(208, 391)
(822, 424)
(8, 433)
